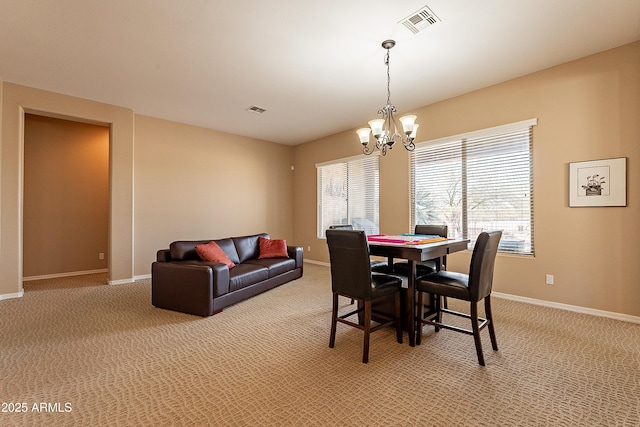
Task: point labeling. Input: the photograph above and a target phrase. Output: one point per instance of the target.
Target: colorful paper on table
(406, 239)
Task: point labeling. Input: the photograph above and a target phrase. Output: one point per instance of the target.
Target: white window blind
(477, 182)
(348, 193)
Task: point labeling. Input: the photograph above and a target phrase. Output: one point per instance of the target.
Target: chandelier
(381, 128)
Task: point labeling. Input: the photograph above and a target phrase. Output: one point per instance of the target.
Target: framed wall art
(598, 183)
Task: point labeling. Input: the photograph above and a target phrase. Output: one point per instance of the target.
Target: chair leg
(437, 300)
(398, 322)
(367, 331)
(492, 332)
(419, 325)
(443, 266)
(476, 332)
(334, 321)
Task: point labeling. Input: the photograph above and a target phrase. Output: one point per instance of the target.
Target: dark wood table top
(414, 253)
(421, 252)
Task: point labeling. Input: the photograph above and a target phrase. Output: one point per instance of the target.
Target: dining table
(413, 249)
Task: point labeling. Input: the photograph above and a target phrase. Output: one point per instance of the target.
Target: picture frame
(598, 183)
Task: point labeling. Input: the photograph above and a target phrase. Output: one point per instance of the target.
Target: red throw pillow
(213, 253)
(273, 248)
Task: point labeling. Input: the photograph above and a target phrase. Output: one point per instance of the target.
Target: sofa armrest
(220, 279)
(297, 253)
(189, 288)
(163, 255)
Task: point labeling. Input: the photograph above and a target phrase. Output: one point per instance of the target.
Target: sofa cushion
(229, 248)
(214, 253)
(272, 248)
(246, 274)
(185, 249)
(275, 266)
(247, 246)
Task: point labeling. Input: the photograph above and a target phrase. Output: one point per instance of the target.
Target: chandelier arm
(395, 124)
(409, 145)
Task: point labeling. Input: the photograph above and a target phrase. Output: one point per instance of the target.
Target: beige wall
(586, 109)
(190, 183)
(18, 100)
(66, 196)
(195, 183)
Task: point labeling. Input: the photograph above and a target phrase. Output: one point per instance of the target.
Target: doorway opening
(66, 197)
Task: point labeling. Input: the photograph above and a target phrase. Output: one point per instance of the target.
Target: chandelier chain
(386, 61)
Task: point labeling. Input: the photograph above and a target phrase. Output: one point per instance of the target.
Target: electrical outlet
(308, 248)
(101, 255)
(549, 279)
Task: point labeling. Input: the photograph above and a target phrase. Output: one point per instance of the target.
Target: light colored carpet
(114, 359)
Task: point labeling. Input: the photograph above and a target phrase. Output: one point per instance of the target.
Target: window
(348, 192)
(477, 181)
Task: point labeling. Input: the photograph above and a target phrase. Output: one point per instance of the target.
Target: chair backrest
(482, 263)
(341, 227)
(438, 230)
(350, 265)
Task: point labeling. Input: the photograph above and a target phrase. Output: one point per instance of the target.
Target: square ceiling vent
(255, 109)
(419, 20)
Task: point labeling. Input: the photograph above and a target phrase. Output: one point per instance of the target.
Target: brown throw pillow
(213, 253)
(273, 248)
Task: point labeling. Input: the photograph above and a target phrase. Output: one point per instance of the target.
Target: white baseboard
(568, 307)
(79, 273)
(69, 274)
(122, 281)
(10, 296)
(311, 261)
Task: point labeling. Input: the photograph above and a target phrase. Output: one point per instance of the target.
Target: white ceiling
(316, 66)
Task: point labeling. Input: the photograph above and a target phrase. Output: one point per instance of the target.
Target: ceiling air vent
(420, 20)
(256, 109)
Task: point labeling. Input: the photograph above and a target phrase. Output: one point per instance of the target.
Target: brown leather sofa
(182, 281)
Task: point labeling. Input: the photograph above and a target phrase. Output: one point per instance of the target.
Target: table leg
(411, 302)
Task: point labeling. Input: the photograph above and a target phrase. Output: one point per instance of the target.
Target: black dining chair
(351, 277)
(376, 265)
(429, 266)
(425, 267)
(472, 287)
